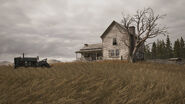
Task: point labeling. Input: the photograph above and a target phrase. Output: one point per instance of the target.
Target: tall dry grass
(107, 82)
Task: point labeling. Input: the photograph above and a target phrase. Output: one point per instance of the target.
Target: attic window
(114, 41)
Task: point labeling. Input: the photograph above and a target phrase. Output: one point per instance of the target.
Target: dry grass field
(107, 82)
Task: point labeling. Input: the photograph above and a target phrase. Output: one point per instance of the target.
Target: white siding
(107, 40)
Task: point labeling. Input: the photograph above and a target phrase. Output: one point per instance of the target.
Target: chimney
(85, 45)
(23, 55)
(132, 30)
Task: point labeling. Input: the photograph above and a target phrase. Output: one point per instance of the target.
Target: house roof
(110, 26)
(91, 47)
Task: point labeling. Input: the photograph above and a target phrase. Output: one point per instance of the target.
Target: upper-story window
(114, 42)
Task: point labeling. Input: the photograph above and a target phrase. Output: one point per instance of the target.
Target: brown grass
(107, 82)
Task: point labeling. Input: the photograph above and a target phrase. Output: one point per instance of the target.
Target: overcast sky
(57, 28)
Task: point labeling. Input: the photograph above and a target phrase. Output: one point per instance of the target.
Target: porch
(89, 55)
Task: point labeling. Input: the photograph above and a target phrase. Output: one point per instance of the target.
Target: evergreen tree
(182, 48)
(147, 52)
(154, 51)
(158, 49)
(177, 48)
(169, 50)
(161, 49)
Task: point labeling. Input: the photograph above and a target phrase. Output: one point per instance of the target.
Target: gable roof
(110, 26)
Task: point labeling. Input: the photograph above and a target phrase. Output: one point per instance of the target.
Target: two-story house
(114, 45)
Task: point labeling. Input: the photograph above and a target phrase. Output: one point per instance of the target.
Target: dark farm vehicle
(30, 62)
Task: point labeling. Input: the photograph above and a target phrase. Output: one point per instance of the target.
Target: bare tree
(146, 23)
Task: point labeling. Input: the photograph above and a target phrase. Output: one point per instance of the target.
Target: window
(111, 53)
(114, 53)
(114, 41)
(117, 52)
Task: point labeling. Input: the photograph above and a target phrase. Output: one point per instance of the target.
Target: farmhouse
(114, 45)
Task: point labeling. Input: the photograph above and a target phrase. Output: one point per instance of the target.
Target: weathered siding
(107, 40)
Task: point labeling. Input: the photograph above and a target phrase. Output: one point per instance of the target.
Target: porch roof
(91, 48)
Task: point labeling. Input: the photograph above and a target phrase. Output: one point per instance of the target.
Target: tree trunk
(131, 59)
(132, 55)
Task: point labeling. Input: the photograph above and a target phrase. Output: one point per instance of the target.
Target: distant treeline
(163, 49)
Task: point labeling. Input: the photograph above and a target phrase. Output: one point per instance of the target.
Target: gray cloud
(57, 28)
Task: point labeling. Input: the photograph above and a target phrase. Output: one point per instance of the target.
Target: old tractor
(30, 62)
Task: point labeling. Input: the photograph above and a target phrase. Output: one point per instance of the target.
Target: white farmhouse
(114, 45)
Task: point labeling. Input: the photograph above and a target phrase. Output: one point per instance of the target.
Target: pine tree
(169, 50)
(154, 51)
(158, 49)
(161, 49)
(182, 48)
(147, 52)
(177, 48)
